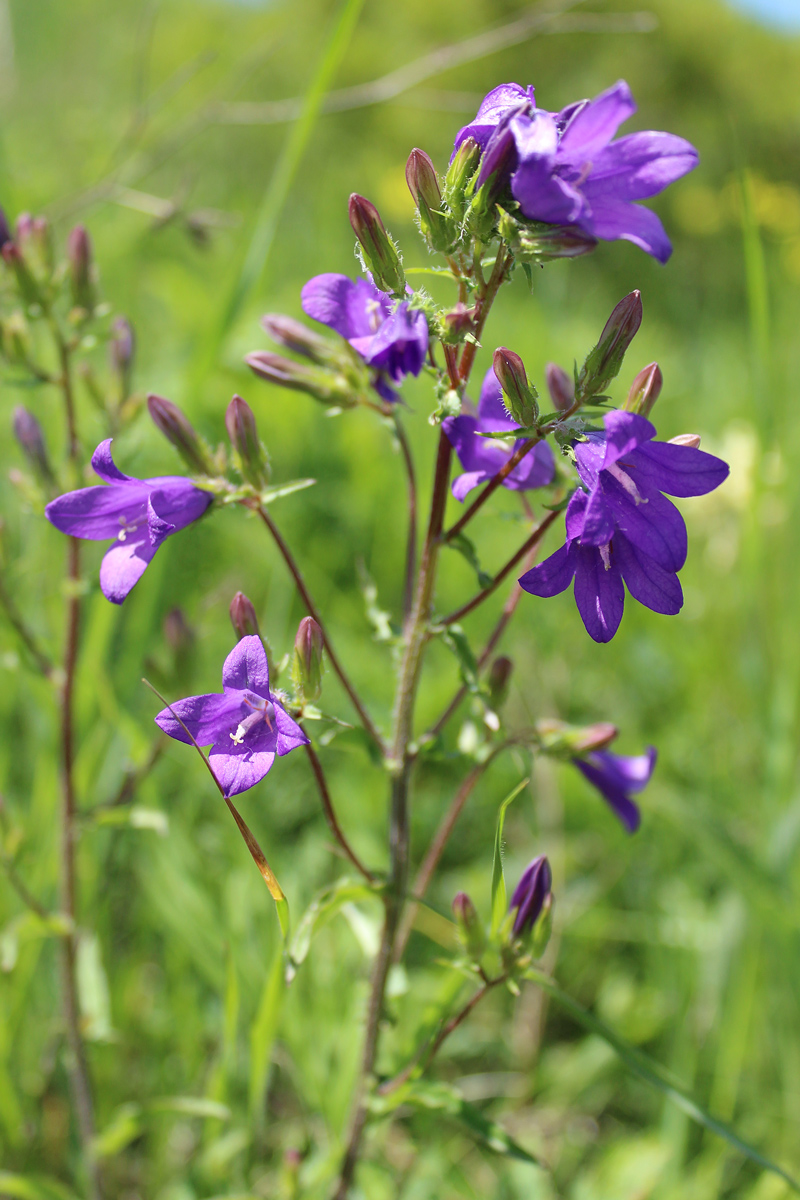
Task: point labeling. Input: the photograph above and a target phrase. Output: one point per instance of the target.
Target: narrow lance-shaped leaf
(499, 897)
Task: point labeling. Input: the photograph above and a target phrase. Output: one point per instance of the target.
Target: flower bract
(246, 724)
(138, 513)
(483, 457)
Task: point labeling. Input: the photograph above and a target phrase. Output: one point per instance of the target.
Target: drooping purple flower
(615, 776)
(246, 724)
(138, 513)
(394, 341)
(564, 168)
(623, 528)
(530, 894)
(482, 457)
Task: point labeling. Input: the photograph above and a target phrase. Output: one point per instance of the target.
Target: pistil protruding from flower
(381, 256)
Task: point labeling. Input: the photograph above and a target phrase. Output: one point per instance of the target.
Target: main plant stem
(400, 760)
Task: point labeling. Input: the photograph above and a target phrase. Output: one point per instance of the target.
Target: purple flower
(393, 342)
(615, 776)
(564, 168)
(623, 529)
(482, 457)
(530, 894)
(138, 513)
(246, 723)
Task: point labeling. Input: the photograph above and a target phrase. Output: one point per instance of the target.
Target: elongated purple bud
(5, 229)
(295, 336)
(308, 647)
(471, 933)
(380, 253)
(28, 433)
(178, 430)
(499, 680)
(325, 386)
(121, 346)
(645, 390)
(520, 396)
(530, 895)
(604, 362)
(79, 257)
(251, 455)
(426, 194)
(243, 616)
(560, 385)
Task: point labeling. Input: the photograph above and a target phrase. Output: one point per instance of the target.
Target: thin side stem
(313, 611)
(526, 547)
(330, 815)
(491, 487)
(411, 545)
(78, 1068)
(482, 307)
(134, 778)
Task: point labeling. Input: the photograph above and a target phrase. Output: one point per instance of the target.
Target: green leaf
(322, 909)
(656, 1075)
(263, 1033)
(191, 1106)
(442, 1097)
(455, 639)
(379, 618)
(125, 1126)
(464, 546)
(499, 898)
(279, 490)
(33, 1187)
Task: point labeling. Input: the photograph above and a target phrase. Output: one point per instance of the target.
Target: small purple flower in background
(246, 722)
(615, 776)
(564, 168)
(393, 342)
(530, 894)
(624, 529)
(138, 513)
(482, 457)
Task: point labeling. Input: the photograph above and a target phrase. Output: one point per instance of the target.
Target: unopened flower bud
(458, 322)
(603, 363)
(16, 338)
(243, 616)
(520, 395)
(79, 256)
(380, 253)
(560, 385)
(561, 740)
(308, 646)
(326, 386)
(530, 895)
(297, 337)
(121, 347)
(424, 187)
(471, 933)
(498, 681)
(178, 430)
(645, 390)
(26, 284)
(28, 433)
(686, 439)
(252, 458)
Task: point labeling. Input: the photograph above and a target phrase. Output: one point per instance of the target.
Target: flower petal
(536, 469)
(494, 106)
(462, 485)
(598, 521)
(622, 805)
(104, 465)
(640, 165)
(542, 195)
(653, 524)
(611, 219)
(646, 581)
(124, 564)
(209, 718)
(599, 593)
(352, 308)
(551, 577)
(594, 125)
(474, 453)
(625, 432)
(99, 512)
(494, 415)
(290, 735)
(678, 470)
(238, 768)
(177, 501)
(246, 667)
(400, 345)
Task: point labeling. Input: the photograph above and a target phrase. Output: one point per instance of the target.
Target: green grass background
(685, 937)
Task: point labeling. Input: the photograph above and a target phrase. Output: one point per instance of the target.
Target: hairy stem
(411, 545)
(313, 611)
(330, 815)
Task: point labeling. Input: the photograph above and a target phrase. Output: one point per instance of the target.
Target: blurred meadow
(163, 127)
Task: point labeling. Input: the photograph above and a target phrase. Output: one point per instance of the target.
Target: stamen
(605, 554)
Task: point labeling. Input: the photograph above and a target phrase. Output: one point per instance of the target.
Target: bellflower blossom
(564, 168)
(482, 457)
(623, 529)
(615, 776)
(246, 724)
(393, 342)
(530, 894)
(138, 513)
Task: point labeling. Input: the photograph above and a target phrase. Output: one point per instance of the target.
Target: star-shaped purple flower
(138, 513)
(482, 457)
(530, 894)
(615, 776)
(564, 168)
(246, 722)
(623, 528)
(392, 341)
